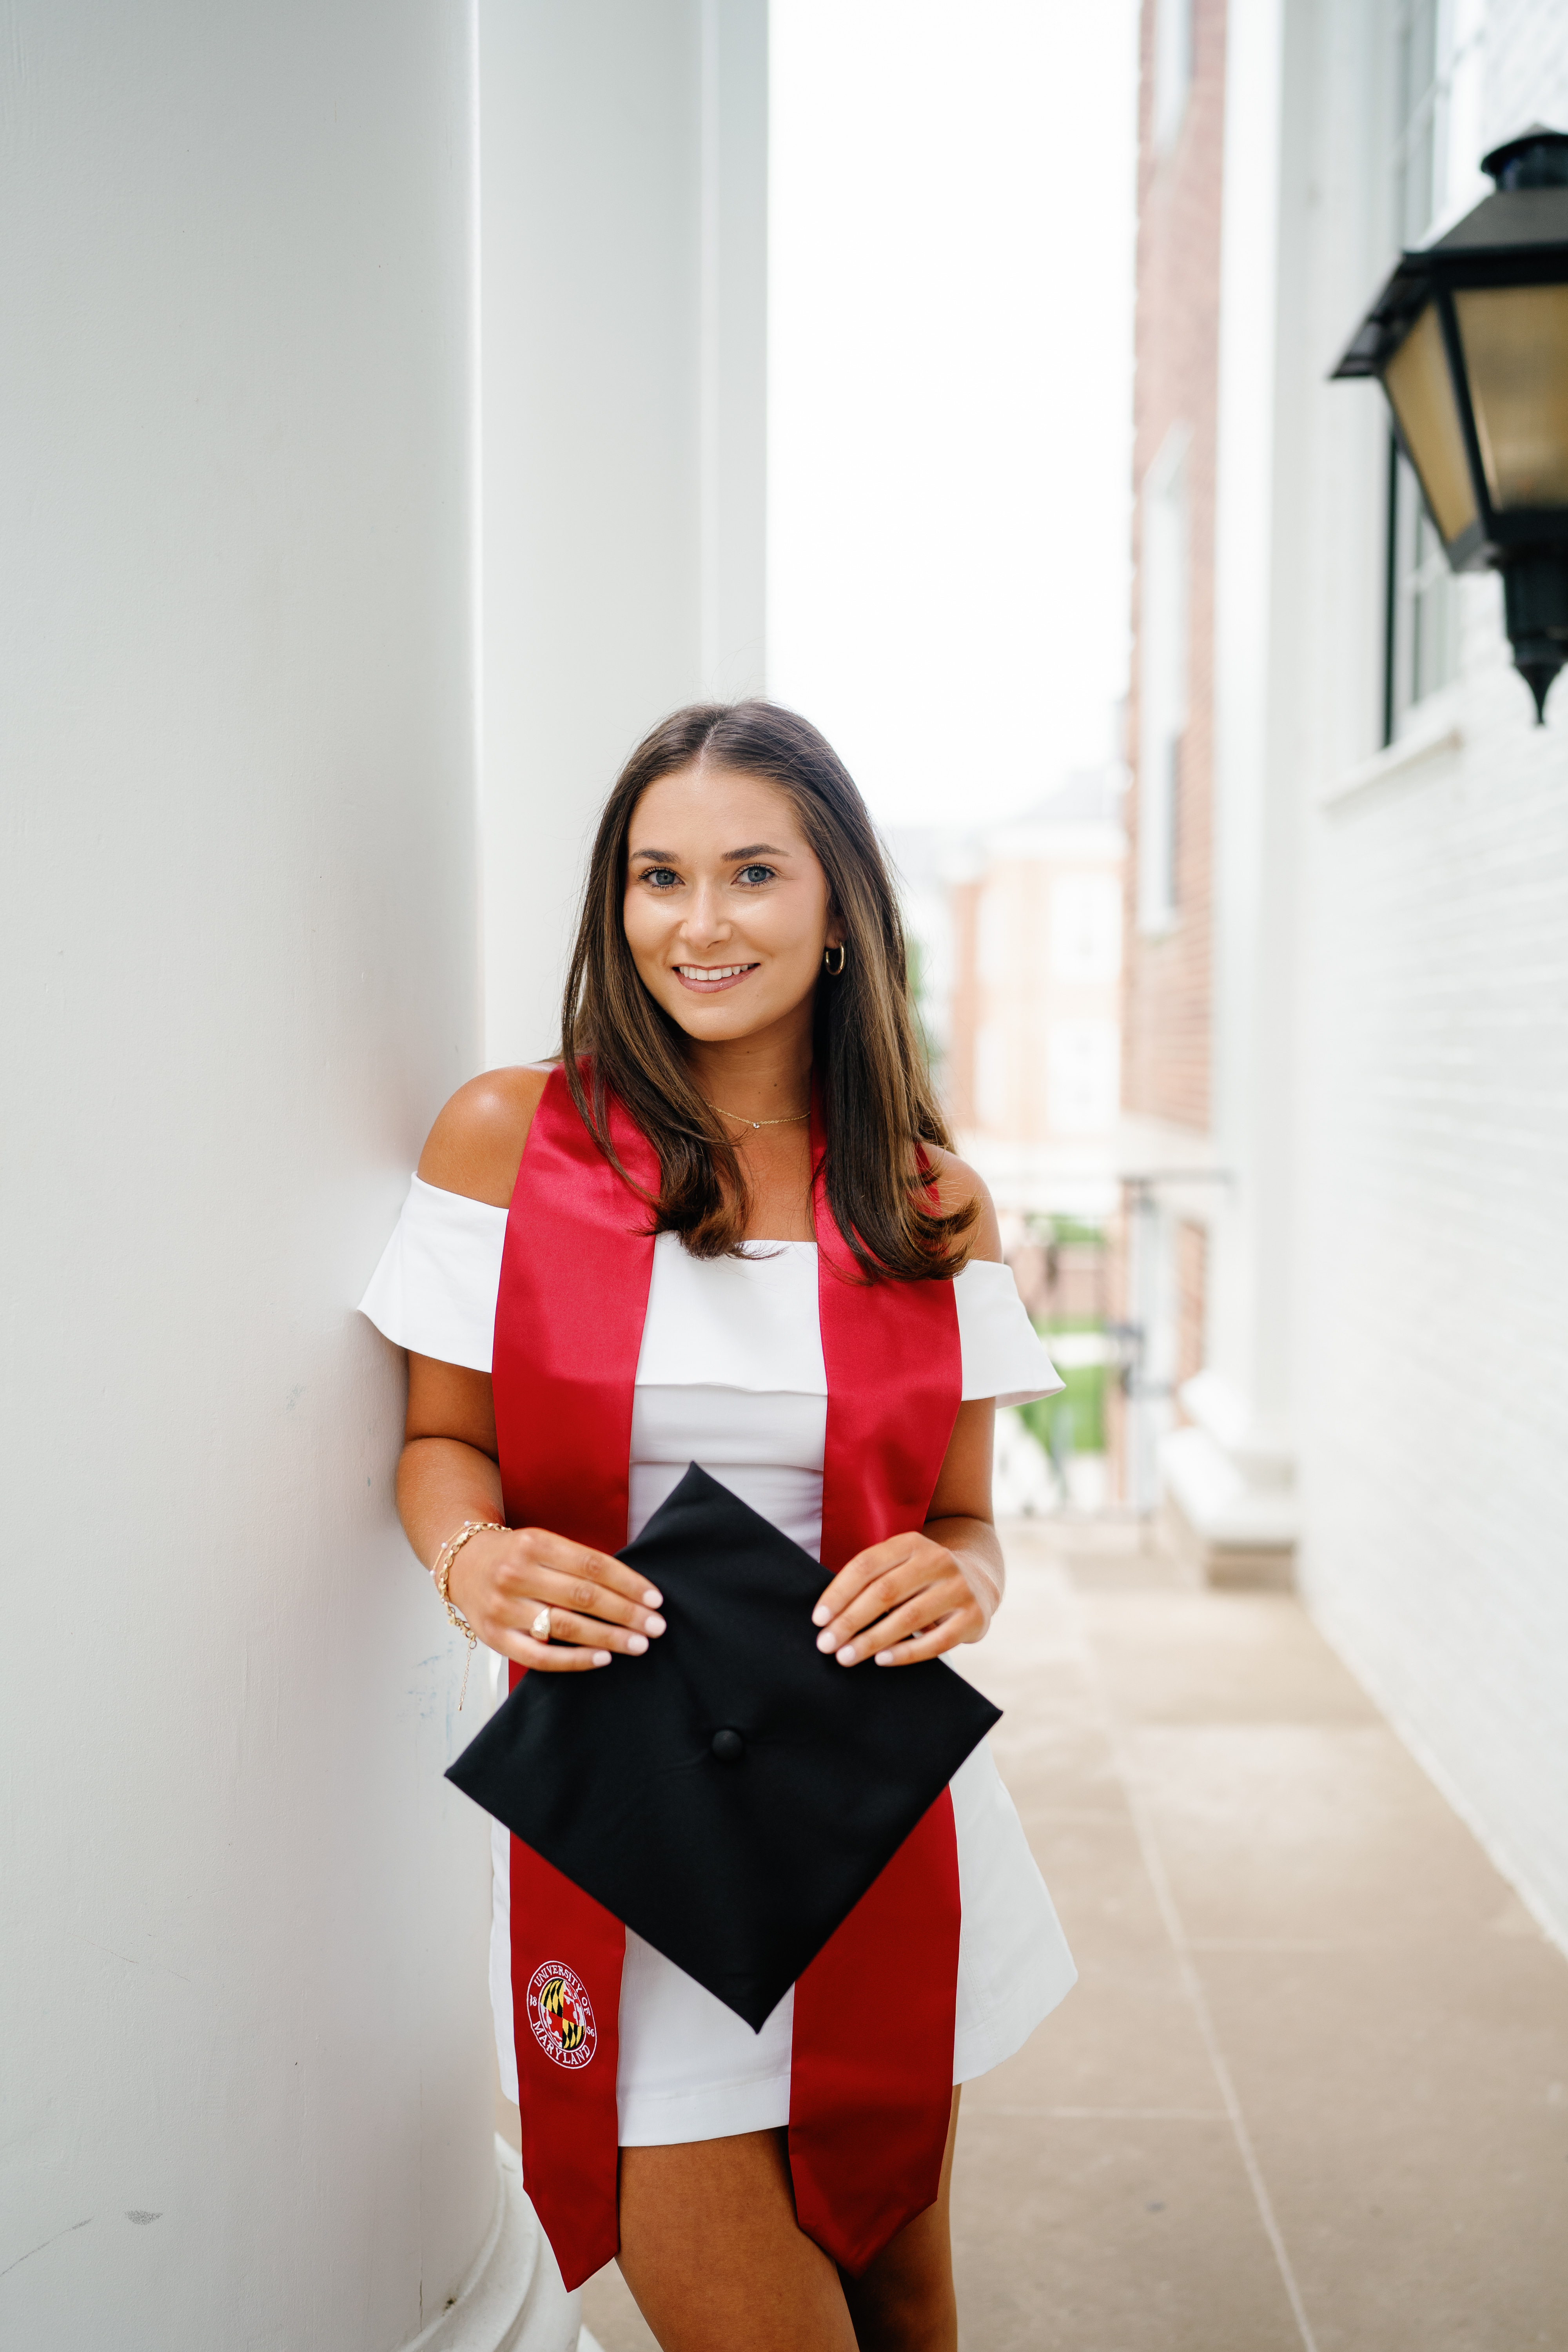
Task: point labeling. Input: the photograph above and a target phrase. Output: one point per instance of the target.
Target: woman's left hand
(907, 1599)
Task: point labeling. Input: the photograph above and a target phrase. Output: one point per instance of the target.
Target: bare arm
(448, 1471)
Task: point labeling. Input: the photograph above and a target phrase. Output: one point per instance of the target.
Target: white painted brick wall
(1433, 1403)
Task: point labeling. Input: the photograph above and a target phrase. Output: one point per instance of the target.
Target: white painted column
(624, 320)
(1232, 1472)
(1248, 1106)
(247, 2065)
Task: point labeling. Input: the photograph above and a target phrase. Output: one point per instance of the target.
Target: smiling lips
(708, 979)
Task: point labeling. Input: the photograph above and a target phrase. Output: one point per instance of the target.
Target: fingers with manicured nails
(949, 1598)
(946, 1634)
(946, 1610)
(889, 1574)
(559, 1589)
(597, 1606)
(549, 1658)
(595, 1571)
(898, 1602)
(591, 1633)
(857, 1573)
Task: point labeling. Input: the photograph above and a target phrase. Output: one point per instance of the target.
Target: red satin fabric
(870, 2091)
(573, 1295)
(871, 2074)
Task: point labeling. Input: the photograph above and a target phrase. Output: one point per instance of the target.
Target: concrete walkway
(1311, 2092)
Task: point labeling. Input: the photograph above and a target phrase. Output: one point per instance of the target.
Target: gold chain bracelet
(441, 1574)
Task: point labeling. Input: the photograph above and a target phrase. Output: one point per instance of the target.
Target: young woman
(726, 1228)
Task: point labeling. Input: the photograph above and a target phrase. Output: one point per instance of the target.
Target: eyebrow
(732, 856)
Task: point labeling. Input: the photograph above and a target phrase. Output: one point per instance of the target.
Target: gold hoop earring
(832, 969)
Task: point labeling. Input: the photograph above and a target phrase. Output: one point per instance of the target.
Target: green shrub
(1083, 1402)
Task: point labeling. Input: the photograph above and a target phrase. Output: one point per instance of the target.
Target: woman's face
(726, 906)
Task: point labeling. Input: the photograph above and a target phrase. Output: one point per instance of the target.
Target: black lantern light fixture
(1469, 340)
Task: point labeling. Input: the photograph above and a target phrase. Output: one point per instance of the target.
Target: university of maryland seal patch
(562, 2015)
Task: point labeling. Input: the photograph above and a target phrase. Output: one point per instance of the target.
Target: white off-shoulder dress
(731, 1376)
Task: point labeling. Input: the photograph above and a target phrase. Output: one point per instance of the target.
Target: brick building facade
(1034, 1049)
(1160, 1249)
(1167, 974)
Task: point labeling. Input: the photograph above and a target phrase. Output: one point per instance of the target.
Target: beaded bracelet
(441, 1574)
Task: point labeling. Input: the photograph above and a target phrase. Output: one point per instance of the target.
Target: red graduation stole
(871, 2069)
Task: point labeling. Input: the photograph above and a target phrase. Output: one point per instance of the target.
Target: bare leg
(714, 2256)
(712, 2252)
(905, 2301)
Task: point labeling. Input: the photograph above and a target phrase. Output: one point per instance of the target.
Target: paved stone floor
(1310, 2093)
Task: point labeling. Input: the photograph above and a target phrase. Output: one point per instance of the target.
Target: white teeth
(710, 971)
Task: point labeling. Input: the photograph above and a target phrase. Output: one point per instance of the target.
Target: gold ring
(540, 1629)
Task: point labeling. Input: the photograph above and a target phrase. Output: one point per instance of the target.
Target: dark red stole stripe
(870, 2091)
(569, 1317)
(871, 2077)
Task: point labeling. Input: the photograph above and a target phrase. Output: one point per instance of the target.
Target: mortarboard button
(728, 1745)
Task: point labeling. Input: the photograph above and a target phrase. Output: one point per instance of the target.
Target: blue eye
(661, 877)
(755, 874)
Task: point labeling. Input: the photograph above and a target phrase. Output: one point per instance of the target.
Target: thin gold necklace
(741, 1120)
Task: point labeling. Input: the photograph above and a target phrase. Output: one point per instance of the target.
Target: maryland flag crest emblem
(562, 2015)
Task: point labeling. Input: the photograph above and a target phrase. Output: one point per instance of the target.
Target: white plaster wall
(624, 233)
(247, 2067)
(1432, 1274)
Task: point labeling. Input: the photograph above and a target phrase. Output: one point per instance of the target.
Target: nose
(705, 922)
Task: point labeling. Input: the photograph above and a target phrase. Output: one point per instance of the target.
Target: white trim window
(1086, 928)
(993, 1078)
(1420, 117)
(1165, 569)
(1439, 55)
(1083, 1076)
(1423, 608)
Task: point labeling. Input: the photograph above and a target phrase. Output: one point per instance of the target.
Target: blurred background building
(1017, 932)
(1033, 1055)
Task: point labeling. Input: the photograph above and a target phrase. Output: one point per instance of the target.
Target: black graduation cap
(731, 1794)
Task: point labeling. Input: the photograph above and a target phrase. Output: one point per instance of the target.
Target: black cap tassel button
(728, 1745)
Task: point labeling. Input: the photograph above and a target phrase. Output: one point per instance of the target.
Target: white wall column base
(512, 2300)
(1230, 1505)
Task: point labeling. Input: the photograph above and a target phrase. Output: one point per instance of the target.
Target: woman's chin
(710, 1019)
(725, 1018)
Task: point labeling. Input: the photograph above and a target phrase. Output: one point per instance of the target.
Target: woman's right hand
(597, 1606)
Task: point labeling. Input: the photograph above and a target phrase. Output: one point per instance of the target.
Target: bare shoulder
(957, 1183)
(476, 1144)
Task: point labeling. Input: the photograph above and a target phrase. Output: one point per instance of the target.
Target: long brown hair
(878, 1105)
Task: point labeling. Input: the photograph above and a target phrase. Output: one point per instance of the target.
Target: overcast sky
(950, 390)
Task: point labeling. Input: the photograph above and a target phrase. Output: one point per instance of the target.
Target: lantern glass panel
(1421, 394)
(1516, 352)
